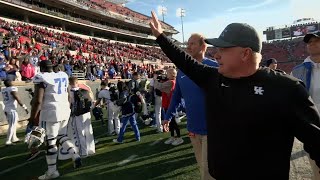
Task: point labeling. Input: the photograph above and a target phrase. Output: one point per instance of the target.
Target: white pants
(157, 111)
(144, 106)
(113, 118)
(82, 134)
(53, 131)
(12, 117)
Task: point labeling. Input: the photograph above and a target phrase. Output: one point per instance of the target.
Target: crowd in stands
(24, 45)
(288, 52)
(26, 33)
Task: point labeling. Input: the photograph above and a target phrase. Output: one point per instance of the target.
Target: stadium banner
(270, 35)
(304, 29)
(278, 33)
(286, 33)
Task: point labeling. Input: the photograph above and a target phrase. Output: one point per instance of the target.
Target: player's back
(56, 93)
(9, 101)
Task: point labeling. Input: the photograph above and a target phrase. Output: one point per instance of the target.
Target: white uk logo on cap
(222, 34)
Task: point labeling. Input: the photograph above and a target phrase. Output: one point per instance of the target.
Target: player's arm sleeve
(196, 71)
(37, 79)
(175, 102)
(307, 122)
(14, 93)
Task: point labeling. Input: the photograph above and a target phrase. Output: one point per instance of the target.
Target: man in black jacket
(244, 141)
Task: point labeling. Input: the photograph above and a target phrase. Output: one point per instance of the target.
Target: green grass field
(150, 158)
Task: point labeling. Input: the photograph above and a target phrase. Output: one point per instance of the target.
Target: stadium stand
(288, 52)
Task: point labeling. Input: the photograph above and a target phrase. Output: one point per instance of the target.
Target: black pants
(173, 126)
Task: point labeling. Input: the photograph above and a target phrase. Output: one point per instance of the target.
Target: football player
(51, 97)
(10, 100)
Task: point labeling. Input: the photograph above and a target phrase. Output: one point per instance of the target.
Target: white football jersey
(55, 104)
(105, 95)
(10, 103)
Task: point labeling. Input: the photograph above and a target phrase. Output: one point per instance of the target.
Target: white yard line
(129, 159)
(155, 142)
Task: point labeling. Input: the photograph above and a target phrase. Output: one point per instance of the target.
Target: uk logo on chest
(258, 90)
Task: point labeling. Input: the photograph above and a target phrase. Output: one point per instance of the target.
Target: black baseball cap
(46, 63)
(271, 61)
(308, 36)
(238, 35)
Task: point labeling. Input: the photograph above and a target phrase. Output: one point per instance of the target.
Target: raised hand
(155, 25)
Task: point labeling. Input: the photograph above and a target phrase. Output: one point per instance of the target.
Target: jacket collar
(312, 63)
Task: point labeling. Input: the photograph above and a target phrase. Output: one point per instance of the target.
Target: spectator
(3, 73)
(27, 70)
(67, 68)
(100, 73)
(112, 72)
(11, 69)
(60, 66)
(34, 58)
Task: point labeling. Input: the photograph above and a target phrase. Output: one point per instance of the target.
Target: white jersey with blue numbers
(55, 103)
(10, 103)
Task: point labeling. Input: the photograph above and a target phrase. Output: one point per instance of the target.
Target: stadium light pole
(181, 13)
(162, 11)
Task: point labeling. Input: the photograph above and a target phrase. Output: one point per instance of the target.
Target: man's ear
(246, 55)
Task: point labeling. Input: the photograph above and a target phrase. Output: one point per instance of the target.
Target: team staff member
(309, 73)
(195, 105)
(244, 141)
